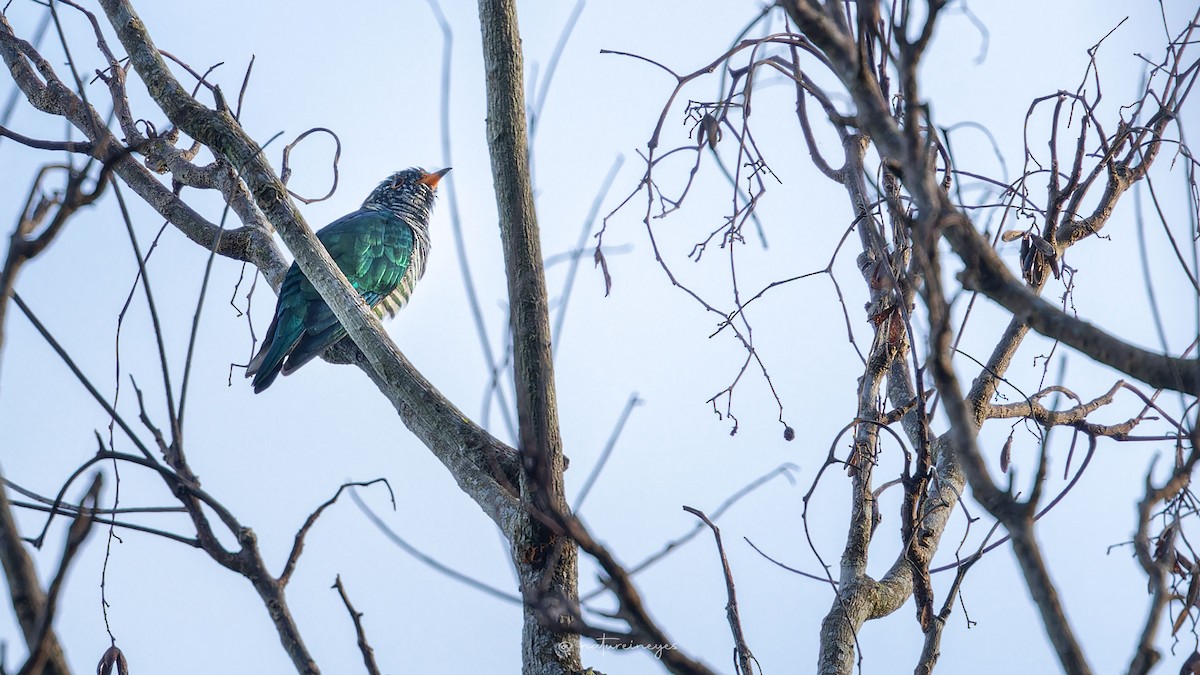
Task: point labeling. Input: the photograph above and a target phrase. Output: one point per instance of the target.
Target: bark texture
(546, 560)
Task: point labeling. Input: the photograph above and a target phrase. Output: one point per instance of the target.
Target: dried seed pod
(1165, 543)
(710, 130)
(113, 657)
(1189, 601)
(1012, 235)
(1049, 256)
(1045, 247)
(1183, 566)
(881, 277)
(1032, 263)
(1193, 591)
(1006, 455)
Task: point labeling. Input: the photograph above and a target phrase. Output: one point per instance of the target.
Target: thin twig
(368, 653)
(745, 658)
(76, 534)
(630, 404)
(428, 560)
(298, 544)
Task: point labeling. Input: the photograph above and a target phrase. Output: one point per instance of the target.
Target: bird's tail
(267, 363)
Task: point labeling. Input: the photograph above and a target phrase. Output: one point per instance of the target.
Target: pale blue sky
(370, 71)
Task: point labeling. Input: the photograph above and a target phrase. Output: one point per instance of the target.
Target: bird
(382, 249)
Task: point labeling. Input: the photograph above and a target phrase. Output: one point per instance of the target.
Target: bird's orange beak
(431, 179)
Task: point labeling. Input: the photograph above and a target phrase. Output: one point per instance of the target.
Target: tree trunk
(546, 561)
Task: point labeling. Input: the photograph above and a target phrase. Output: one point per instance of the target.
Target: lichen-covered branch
(478, 462)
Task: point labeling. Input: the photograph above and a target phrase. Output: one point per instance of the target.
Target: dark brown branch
(25, 592)
(286, 172)
(1017, 517)
(643, 631)
(428, 560)
(184, 485)
(984, 272)
(23, 245)
(83, 380)
(368, 653)
(931, 649)
(37, 144)
(1156, 569)
(72, 510)
(745, 660)
(671, 546)
(298, 544)
(44, 645)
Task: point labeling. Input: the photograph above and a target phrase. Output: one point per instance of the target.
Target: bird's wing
(373, 250)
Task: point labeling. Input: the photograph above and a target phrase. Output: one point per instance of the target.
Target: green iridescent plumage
(381, 248)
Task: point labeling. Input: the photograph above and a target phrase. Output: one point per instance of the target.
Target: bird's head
(408, 192)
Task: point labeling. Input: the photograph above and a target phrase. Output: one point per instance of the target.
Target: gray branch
(479, 463)
(546, 560)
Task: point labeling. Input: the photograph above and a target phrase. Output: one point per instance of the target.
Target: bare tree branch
(368, 653)
(44, 646)
(26, 594)
(744, 658)
(472, 455)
